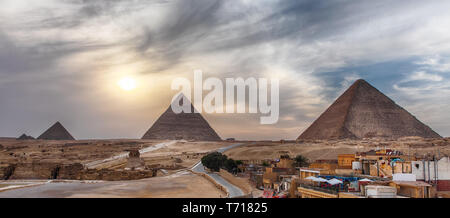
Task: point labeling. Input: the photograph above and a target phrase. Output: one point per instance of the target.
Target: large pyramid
(364, 112)
(187, 126)
(56, 132)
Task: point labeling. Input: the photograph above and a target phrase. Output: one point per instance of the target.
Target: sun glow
(127, 83)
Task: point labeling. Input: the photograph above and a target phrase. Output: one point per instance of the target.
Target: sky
(60, 60)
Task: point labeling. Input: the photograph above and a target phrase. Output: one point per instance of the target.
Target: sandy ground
(183, 153)
(242, 183)
(179, 155)
(177, 184)
(180, 185)
(331, 149)
(80, 151)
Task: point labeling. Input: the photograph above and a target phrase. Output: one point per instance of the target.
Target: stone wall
(71, 172)
(32, 170)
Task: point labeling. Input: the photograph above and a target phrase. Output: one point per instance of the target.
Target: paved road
(233, 190)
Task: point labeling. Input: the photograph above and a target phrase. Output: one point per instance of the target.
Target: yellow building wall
(345, 160)
(329, 167)
(285, 163)
(304, 174)
(309, 193)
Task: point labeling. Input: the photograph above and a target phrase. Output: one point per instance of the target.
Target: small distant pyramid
(187, 126)
(56, 132)
(25, 137)
(364, 112)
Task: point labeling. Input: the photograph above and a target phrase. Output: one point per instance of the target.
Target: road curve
(231, 189)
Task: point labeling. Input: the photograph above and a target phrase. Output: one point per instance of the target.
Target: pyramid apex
(360, 81)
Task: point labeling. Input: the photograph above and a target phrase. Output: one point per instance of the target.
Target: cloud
(422, 75)
(316, 48)
(435, 63)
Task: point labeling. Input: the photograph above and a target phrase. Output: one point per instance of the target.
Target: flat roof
(412, 183)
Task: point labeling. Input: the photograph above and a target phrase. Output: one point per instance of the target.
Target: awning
(321, 180)
(365, 180)
(310, 178)
(334, 181)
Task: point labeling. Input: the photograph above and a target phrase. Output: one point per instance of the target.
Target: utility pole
(423, 166)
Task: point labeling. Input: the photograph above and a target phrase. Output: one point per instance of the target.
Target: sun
(127, 83)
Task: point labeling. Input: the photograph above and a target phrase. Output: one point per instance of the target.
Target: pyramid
(25, 137)
(364, 112)
(56, 132)
(187, 126)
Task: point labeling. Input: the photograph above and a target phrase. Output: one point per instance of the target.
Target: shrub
(301, 161)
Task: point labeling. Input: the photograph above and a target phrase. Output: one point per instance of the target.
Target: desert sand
(179, 185)
(329, 149)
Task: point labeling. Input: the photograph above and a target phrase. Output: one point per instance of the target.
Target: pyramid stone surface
(364, 112)
(187, 126)
(56, 132)
(25, 137)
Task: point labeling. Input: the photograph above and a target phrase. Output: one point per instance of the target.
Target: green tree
(301, 161)
(214, 161)
(230, 165)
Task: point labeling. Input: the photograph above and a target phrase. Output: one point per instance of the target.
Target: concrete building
(307, 172)
(416, 189)
(329, 165)
(345, 161)
(437, 172)
(380, 191)
(285, 162)
(273, 175)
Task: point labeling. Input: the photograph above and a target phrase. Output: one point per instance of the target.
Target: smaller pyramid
(187, 126)
(25, 137)
(56, 132)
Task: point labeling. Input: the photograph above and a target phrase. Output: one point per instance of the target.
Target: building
(285, 162)
(257, 179)
(412, 189)
(329, 165)
(305, 192)
(273, 175)
(345, 161)
(380, 191)
(433, 171)
(383, 163)
(307, 172)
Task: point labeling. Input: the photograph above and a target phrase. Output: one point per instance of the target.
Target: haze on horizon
(63, 60)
